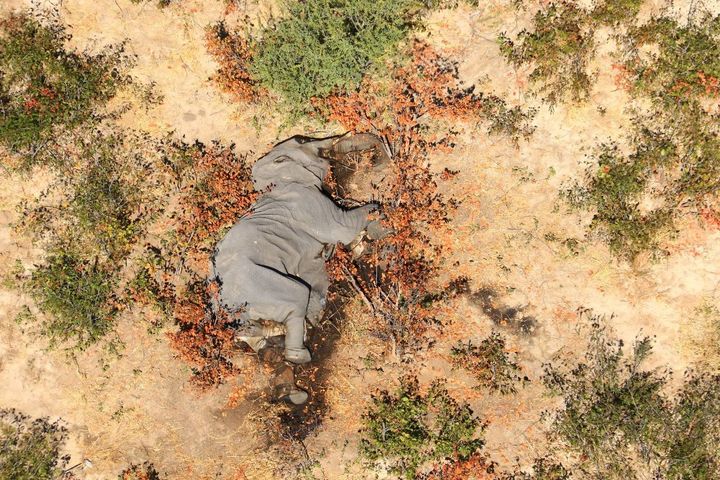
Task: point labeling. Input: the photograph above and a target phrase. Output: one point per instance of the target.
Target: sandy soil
(141, 408)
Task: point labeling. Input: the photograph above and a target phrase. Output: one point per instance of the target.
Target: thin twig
(355, 285)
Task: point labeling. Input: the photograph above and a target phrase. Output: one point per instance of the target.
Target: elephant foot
(297, 396)
(297, 355)
(291, 393)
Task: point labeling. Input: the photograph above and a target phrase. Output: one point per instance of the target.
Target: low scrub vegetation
(559, 48)
(76, 296)
(319, 47)
(30, 449)
(620, 421)
(670, 164)
(407, 428)
(89, 220)
(46, 90)
(490, 363)
(561, 44)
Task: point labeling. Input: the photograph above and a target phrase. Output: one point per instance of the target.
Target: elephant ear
(282, 170)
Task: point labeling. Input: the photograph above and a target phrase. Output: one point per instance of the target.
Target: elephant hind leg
(295, 350)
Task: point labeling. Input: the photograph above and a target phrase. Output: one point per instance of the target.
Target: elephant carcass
(270, 265)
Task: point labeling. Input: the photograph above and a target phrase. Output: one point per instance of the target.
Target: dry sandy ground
(141, 408)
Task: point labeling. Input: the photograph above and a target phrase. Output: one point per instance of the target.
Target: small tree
(30, 449)
(319, 46)
(489, 363)
(620, 422)
(44, 86)
(407, 429)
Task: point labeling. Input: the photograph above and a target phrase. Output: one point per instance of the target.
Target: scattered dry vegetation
(406, 293)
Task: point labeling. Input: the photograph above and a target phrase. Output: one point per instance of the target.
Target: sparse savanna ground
(534, 271)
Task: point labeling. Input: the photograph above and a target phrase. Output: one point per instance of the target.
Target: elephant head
(304, 160)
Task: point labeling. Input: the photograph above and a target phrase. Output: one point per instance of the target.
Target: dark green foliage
(612, 408)
(620, 422)
(615, 12)
(562, 43)
(43, 86)
(30, 449)
(407, 429)
(320, 46)
(76, 296)
(512, 122)
(673, 163)
(102, 197)
(694, 438)
(560, 46)
(614, 190)
(89, 220)
(686, 65)
(543, 469)
(489, 363)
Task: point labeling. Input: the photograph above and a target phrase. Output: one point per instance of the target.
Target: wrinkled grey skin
(270, 264)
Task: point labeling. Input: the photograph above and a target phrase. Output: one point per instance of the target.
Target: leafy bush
(543, 469)
(320, 46)
(687, 62)
(693, 440)
(614, 191)
(615, 12)
(407, 429)
(489, 363)
(560, 47)
(618, 420)
(76, 295)
(44, 86)
(672, 165)
(30, 449)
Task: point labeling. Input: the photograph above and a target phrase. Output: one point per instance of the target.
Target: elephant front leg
(295, 350)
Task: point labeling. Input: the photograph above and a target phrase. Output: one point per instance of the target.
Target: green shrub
(44, 86)
(76, 296)
(693, 440)
(615, 12)
(619, 421)
(512, 122)
(687, 62)
(559, 47)
(614, 189)
(320, 46)
(561, 44)
(489, 363)
(30, 449)
(543, 469)
(673, 164)
(104, 195)
(406, 429)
